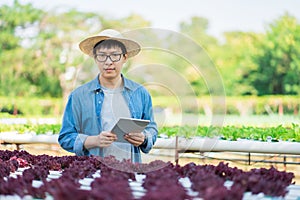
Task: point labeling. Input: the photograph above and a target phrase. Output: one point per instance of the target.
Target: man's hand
(135, 138)
(104, 139)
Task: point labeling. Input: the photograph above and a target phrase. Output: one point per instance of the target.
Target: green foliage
(234, 133)
(235, 60)
(38, 50)
(244, 105)
(278, 60)
(14, 22)
(29, 107)
(197, 28)
(31, 128)
(267, 105)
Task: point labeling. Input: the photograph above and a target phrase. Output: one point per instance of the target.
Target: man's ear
(125, 57)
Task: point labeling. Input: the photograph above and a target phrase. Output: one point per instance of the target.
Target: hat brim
(87, 45)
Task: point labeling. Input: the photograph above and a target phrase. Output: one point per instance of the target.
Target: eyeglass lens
(112, 57)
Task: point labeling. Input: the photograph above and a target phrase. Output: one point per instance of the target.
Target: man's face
(110, 61)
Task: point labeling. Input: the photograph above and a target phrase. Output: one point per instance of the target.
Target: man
(93, 108)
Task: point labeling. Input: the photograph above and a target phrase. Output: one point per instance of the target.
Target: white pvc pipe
(217, 145)
(28, 138)
(194, 144)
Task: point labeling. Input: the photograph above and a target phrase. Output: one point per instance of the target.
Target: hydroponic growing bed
(26, 176)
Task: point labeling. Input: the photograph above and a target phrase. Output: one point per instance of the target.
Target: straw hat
(87, 45)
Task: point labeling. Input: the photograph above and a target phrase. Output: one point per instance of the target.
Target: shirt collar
(95, 85)
(127, 84)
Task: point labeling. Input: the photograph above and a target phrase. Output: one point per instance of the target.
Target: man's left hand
(135, 138)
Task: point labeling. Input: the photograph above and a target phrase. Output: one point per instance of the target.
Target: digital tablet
(128, 125)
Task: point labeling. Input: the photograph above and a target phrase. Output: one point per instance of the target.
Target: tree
(39, 51)
(15, 22)
(196, 28)
(234, 59)
(278, 59)
(57, 52)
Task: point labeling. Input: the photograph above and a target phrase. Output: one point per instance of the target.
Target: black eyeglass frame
(116, 59)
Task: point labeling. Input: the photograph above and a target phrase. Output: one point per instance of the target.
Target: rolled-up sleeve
(69, 138)
(79, 145)
(150, 139)
(68, 133)
(151, 130)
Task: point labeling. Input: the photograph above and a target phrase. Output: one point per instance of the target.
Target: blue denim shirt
(82, 117)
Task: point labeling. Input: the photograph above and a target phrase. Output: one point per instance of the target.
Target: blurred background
(253, 46)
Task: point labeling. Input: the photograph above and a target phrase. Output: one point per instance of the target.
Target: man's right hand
(104, 139)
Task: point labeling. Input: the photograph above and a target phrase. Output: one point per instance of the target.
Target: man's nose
(108, 60)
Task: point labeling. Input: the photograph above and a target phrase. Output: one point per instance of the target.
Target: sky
(223, 15)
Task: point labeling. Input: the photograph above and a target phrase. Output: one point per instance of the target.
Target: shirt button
(99, 102)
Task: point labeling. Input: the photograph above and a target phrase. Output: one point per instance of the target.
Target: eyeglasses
(113, 57)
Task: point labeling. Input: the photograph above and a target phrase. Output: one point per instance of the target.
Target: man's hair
(109, 44)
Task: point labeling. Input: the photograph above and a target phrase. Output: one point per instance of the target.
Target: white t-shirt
(113, 107)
